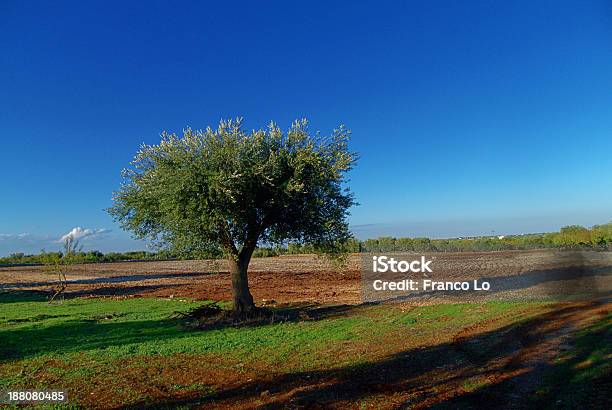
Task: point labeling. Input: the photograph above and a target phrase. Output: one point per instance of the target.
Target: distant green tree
(371, 245)
(227, 190)
(573, 235)
(404, 244)
(386, 244)
(423, 245)
(602, 234)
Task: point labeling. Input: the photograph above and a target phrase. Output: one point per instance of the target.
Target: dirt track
(306, 278)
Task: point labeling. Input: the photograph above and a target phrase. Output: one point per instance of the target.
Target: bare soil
(307, 278)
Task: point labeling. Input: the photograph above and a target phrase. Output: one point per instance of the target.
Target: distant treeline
(569, 237)
(84, 257)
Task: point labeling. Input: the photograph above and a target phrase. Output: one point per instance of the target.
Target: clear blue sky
(470, 117)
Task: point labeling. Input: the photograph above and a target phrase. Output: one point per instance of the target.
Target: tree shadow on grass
(433, 376)
(77, 336)
(17, 296)
(22, 296)
(108, 330)
(212, 317)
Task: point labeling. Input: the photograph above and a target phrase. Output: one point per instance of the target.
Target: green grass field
(134, 351)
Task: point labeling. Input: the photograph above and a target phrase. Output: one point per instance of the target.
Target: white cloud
(13, 236)
(80, 233)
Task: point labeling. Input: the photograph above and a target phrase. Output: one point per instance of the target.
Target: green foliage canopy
(228, 189)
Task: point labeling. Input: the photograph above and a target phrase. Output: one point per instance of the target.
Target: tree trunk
(243, 300)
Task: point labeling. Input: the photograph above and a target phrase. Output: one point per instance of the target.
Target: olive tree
(227, 190)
